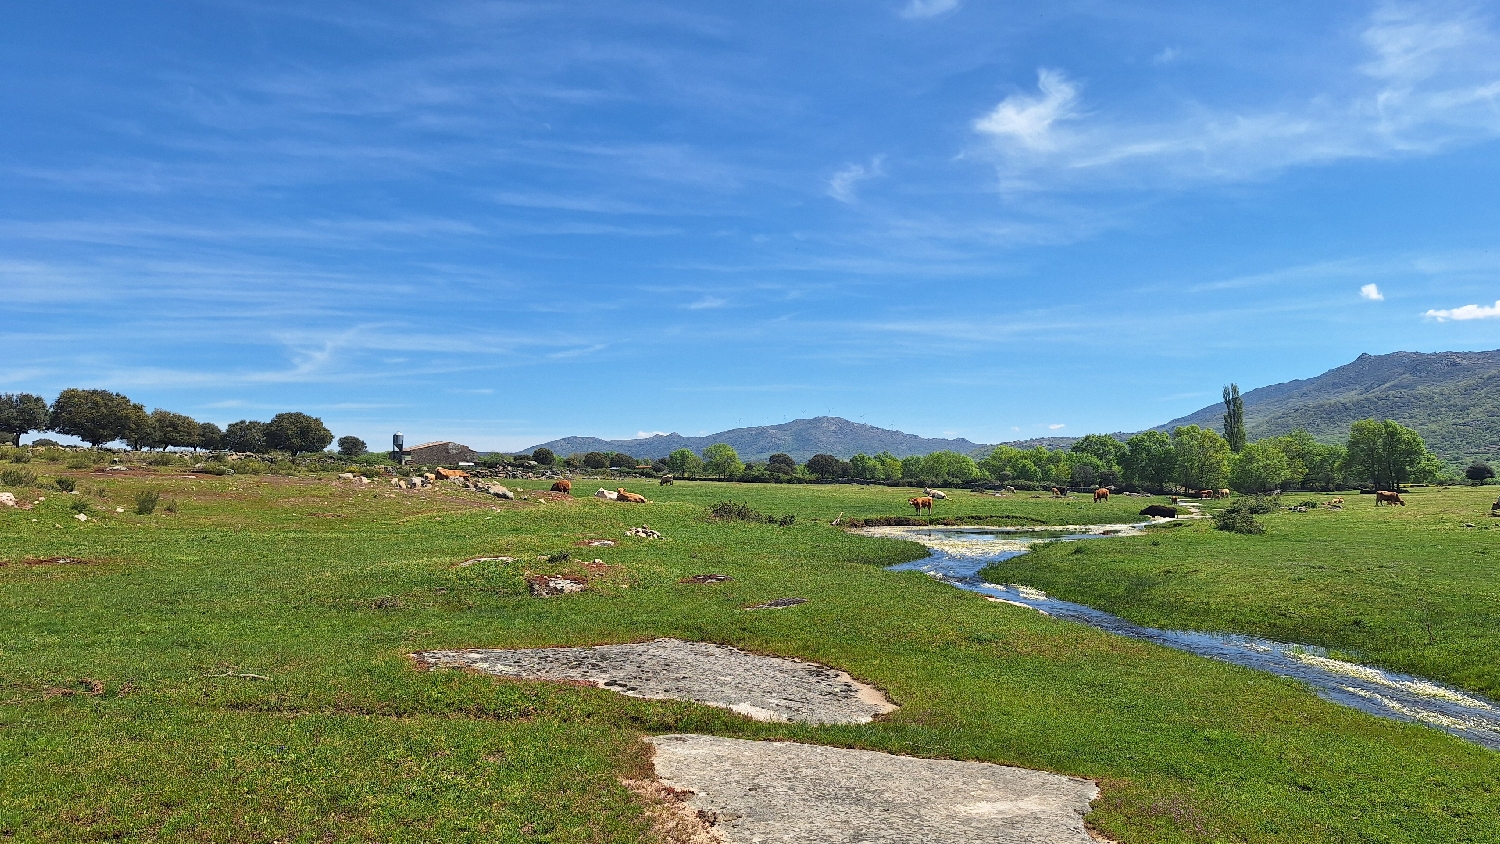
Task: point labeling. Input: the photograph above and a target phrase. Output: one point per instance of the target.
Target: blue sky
(506, 222)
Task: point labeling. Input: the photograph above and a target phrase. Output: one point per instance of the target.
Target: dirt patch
(596, 543)
(701, 579)
(778, 604)
(673, 820)
(782, 791)
(56, 561)
(765, 688)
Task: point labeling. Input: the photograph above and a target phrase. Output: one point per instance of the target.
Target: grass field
(1407, 588)
(322, 589)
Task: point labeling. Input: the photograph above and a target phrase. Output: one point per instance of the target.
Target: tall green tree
(1234, 418)
(141, 433)
(246, 435)
(722, 460)
(352, 446)
(827, 466)
(297, 433)
(1260, 467)
(1202, 457)
(543, 456)
(94, 416)
(783, 464)
(1312, 465)
(1386, 454)
(22, 413)
(210, 436)
(1106, 449)
(175, 430)
(684, 463)
(1150, 461)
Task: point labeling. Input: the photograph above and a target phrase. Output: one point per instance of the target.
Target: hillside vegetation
(1451, 398)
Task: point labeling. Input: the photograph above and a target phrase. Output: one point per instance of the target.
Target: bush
(1258, 505)
(215, 469)
(20, 455)
(79, 505)
(163, 459)
(66, 484)
(171, 506)
(145, 502)
(79, 461)
(732, 511)
(18, 477)
(1236, 520)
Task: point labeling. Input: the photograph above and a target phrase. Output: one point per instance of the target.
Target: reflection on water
(958, 554)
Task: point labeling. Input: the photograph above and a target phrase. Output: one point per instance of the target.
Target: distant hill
(1451, 398)
(801, 438)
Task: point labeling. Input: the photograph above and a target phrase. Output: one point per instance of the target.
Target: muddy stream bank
(959, 553)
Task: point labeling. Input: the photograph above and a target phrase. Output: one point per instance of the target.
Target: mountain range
(1451, 398)
(800, 438)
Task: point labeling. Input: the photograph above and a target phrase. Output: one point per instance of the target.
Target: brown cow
(1205, 493)
(1058, 493)
(1337, 502)
(1384, 497)
(1101, 494)
(563, 486)
(1223, 493)
(666, 480)
(632, 497)
(919, 503)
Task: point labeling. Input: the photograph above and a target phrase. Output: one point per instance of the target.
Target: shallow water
(958, 554)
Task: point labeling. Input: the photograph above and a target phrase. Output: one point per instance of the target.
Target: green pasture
(321, 590)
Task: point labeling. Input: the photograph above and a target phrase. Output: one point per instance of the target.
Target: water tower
(398, 449)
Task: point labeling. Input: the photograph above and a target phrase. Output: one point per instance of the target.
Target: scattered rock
(706, 578)
(597, 543)
(550, 585)
(783, 791)
(8, 499)
(82, 517)
(346, 476)
(778, 604)
(765, 688)
(501, 492)
(643, 532)
(474, 560)
(118, 469)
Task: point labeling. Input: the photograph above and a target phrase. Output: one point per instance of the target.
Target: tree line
(99, 417)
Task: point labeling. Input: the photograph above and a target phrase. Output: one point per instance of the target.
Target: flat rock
(766, 688)
(763, 791)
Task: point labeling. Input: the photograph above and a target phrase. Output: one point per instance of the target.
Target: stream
(959, 553)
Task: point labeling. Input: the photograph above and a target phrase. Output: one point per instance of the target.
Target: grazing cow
(562, 486)
(633, 498)
(1101, 494)
(919, 503)
(1206, 493)
(666, 480)
(1337, 502)
(1058, 493)
(1384, 497)
(1223, 493)
(935, 494)
(1160, 511)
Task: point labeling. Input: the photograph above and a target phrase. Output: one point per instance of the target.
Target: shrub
(559, 557)
(145, 502)
(79, 505)
(20, 455)
(163, 459)
(733, 511)
(1258, 505)
(1236, 520)
(79, 461)
(215, 469)
(171, 506)
(66, 484)
(18, 477)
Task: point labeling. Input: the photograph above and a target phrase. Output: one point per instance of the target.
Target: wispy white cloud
(841, 185)
(1057, 426)
(641, 435)
(1166, 56)
(1466, 312)
(1428, 83)
(707, 303)
(1028, 120)
(1371, 292)
(928, 8)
